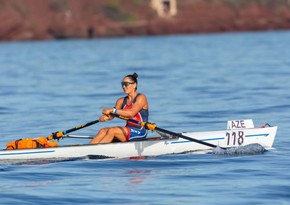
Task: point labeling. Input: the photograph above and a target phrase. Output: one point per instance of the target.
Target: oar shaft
(80, 127)
(60, 134)
(185, 137)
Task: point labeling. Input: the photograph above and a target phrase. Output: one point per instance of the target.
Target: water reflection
(138, 176)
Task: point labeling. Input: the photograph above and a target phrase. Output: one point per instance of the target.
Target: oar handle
(152, 126)
(147, 125)
(60, 134)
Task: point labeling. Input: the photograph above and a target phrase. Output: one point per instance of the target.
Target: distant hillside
(58, 19)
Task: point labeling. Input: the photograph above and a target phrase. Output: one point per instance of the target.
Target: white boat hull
(226, 138)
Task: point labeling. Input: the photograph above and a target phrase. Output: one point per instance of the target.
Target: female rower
(134, 105)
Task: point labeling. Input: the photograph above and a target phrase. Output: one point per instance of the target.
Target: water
(193, 83)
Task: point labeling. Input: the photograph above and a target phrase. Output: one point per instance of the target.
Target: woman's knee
(118, 132)
(103, 130)
(111, 131)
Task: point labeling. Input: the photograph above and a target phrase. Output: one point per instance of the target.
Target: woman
(134, 105)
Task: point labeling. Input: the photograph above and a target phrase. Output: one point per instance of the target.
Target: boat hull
(153, 147)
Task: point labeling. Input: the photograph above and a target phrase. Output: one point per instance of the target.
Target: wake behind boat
(238, 133)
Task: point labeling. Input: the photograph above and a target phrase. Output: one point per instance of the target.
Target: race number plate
(240, 124)
(235, 135)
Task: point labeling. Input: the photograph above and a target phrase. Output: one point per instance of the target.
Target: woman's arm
(106, 111)
(141, 103)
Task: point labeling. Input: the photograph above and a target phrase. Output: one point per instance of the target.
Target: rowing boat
(238, 133)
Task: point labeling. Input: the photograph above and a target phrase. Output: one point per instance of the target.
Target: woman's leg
(106, 135)
(101, 134)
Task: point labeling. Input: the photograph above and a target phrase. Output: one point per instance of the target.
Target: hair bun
(135, 75)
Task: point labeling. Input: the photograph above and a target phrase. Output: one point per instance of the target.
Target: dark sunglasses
(126, 83)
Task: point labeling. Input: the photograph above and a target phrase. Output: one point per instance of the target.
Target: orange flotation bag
(29, 143)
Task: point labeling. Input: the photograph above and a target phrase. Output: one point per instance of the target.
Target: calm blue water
(193, 83)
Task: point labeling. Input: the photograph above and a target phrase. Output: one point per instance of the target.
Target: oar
(152, 126)
(60, 134)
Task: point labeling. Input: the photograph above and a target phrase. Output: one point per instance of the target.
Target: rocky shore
(61, 19)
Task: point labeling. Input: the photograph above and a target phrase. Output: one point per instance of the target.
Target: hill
(59, 19)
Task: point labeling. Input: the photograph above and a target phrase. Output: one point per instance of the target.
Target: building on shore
(164, 8)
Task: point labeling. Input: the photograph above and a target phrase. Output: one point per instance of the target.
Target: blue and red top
(141, 116)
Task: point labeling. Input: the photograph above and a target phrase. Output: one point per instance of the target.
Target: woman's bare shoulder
(141, 97)
(119, 102)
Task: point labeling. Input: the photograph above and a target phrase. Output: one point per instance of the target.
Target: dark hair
(133, 77)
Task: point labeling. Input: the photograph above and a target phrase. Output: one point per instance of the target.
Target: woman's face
(128, 85)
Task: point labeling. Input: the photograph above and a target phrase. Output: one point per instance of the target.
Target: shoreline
(24, 20)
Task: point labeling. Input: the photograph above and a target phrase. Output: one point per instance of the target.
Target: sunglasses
(126, 84)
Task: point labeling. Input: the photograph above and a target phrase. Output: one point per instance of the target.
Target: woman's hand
(104, 118)
(107, 111)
